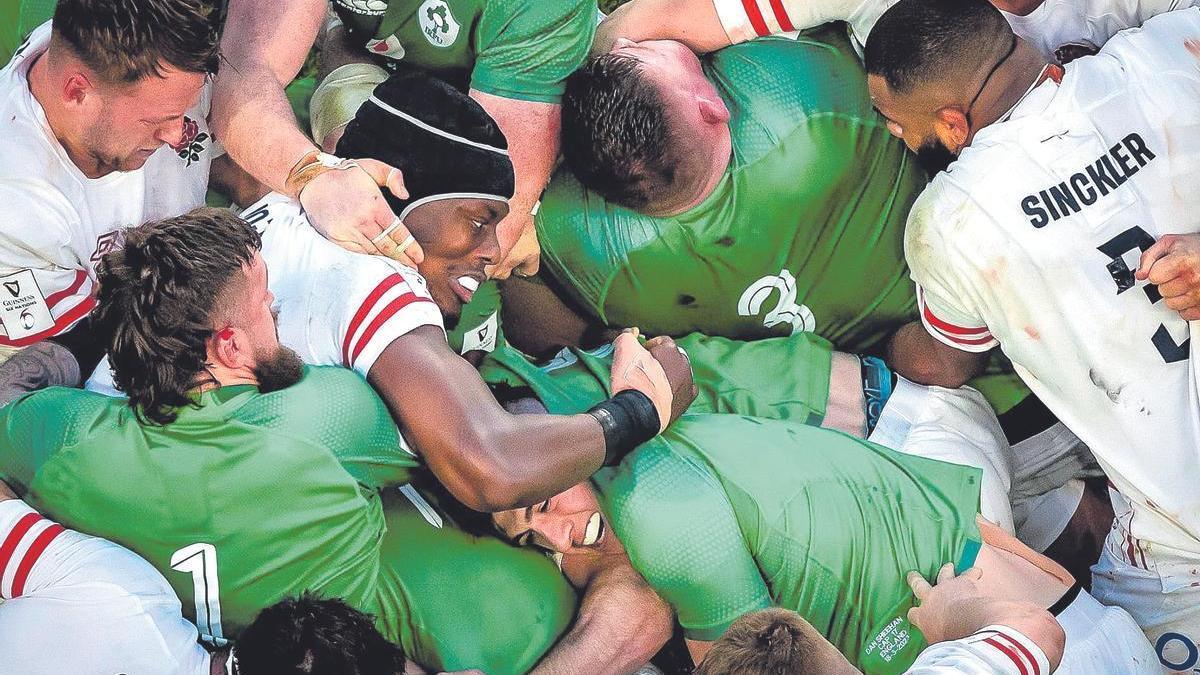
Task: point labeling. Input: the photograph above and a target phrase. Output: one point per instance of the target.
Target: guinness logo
(13, 287)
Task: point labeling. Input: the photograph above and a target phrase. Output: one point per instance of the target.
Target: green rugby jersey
(725, 515)
(518, 49)
(252, 497)
(18, 18)
(745, 378)
(803, 233)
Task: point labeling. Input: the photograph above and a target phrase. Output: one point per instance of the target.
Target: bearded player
(1051, 264)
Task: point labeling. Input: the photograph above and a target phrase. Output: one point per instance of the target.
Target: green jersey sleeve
(682, 535)
(34, 426)
(336, 408)
(527, 48)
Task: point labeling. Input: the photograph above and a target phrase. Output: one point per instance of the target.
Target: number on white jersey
(1116, 248)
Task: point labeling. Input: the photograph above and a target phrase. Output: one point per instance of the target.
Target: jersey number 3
(200, 560)
(1116, 248)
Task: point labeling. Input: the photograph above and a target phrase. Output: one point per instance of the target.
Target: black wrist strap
(627, 420)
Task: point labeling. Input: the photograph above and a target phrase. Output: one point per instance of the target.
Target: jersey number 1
(200, 560)
(1116, 248)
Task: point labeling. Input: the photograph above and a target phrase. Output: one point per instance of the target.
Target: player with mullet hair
(1079, 264)
(102, 126)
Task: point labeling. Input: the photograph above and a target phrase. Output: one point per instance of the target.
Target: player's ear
(77, 89)
(952, 128)
(712, 110)
(228, 348)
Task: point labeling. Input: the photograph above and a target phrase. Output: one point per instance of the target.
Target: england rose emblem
(192, 143)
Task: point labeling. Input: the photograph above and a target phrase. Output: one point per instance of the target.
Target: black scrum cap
(446, 145)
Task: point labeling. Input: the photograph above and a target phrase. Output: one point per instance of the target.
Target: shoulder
(62, 414)
(326, 396)
(539, 16)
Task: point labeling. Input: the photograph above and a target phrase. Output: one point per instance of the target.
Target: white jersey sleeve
(747, 19)
(1055, 23)
(945, 293)
(995, 650)
(43, 288)
(335, 307)
(114, 612)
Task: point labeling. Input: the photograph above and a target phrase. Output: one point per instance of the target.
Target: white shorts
(1103, 641)
(952, 425)
(86, 605)
(1159, 586)
(1047, 484)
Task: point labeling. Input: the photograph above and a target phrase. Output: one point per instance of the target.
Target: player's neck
(1019, 75)
(710, 162)
(217, 663)
(44, 79)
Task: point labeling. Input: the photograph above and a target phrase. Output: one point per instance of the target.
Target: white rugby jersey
(1031, 239)
(80, 604)
(336, 307)
(1085, 22)
(995, 650)
(1051, 25)
(55, 223)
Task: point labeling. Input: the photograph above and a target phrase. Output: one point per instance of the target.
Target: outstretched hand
(347, 207)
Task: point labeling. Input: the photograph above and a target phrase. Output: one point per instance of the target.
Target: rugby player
(749, 193)
(512, 55)
(245, 477)
(1060, 29)
(119, 615)
(1049, 236)
(102, 125)
(817, 522)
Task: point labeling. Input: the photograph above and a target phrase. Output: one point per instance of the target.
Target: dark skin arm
(539, 322)
(918, 356)
(489, 459)
(61, 361)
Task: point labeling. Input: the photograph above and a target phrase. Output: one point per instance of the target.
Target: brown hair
(768, 642)
(157, 298)
(127, 40)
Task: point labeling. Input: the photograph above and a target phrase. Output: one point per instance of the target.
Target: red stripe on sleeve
(949, 327)
(1021, 648)
(31, 556)
(1010, 654)
(966, 341)
(14, 537)
(60, 324)
(387, 313)
(756, 17)
(781, 15)
(54, 298)
(363, 310)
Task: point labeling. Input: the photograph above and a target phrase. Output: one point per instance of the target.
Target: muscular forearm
(502, 461)
(916, 355)
(41, 365)
(622, 623)
(265, 44)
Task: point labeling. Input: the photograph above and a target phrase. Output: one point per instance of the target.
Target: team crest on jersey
(438, 25)
(192, 143)
(364, 7)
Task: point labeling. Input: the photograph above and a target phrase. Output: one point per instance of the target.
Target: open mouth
(593, 534)
(465, 287)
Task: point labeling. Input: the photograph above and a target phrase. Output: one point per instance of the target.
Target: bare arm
(621, 624)
(488, 458)
(265, 44)
(338, 50)
(40, 365)
(532, 130)
(917, 355)
(540, 323)
(692, 22)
